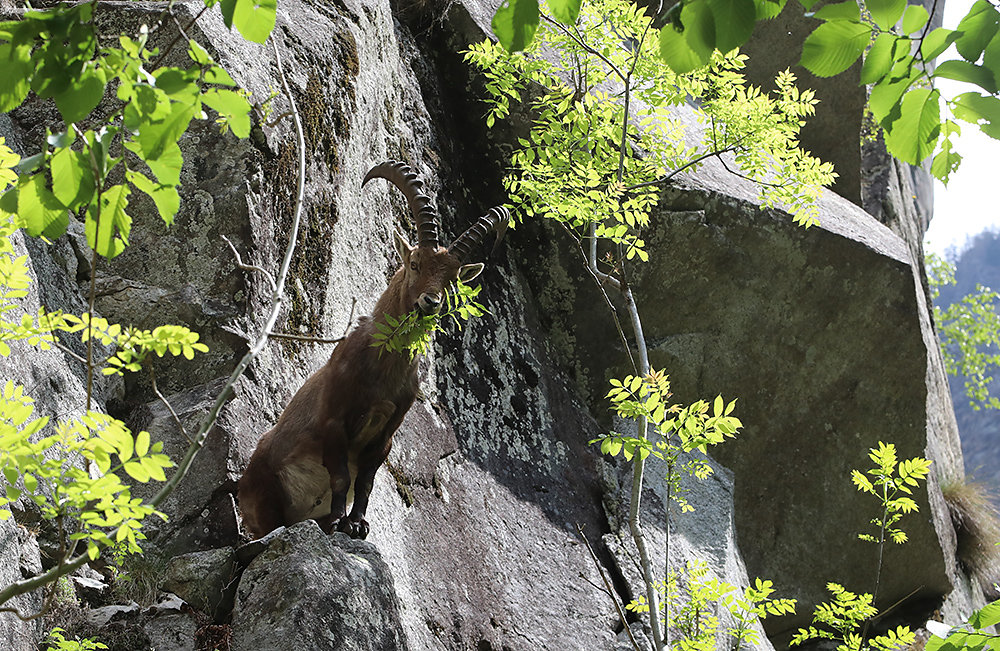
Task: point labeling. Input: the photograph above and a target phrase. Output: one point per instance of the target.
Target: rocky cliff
(823, 334)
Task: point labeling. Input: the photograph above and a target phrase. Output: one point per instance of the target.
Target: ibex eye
(413, 265)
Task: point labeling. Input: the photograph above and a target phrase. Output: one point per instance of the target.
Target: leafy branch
(412, 333)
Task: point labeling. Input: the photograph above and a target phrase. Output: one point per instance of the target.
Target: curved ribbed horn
(495, 220)
(412, 187)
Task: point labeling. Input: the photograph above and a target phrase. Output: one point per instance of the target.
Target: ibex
(337, 430)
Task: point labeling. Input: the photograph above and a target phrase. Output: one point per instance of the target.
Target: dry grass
(977, 523)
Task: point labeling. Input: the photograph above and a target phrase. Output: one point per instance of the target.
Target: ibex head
(428, 268)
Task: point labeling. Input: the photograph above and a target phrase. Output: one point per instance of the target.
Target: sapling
(847, 617)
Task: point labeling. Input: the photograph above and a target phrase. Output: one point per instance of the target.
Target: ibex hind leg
(260, 503)
(305, 490)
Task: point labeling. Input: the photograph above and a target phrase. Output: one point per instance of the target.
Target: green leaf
(979, 109)
(107, 233)
(960, 70)
(565, 11)
(937, 42)
(914, 135)
(167, 166)
(82, 95)
(232, 106)
(72, 178)
(886, 12)
(253, 18)
(914, 18)
(945, 162)
(768, 9)
(988, 615)
(136, 471)
(879, 59)
(677, 54)
(847, 10)
(991, 59)
(977, 29)
(734, 22)
(166, 198)
(15, 82)
(142, 443)
(155, 137)
(833, 47)
(40, 212)
(199, 54)
(885, 95)
(699, 28)
(515, 22)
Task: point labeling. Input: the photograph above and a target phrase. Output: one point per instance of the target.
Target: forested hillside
(977, 263)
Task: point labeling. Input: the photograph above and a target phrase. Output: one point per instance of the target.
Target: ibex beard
(337, 429)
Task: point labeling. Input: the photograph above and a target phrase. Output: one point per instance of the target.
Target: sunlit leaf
(833, 47)
(515, 22)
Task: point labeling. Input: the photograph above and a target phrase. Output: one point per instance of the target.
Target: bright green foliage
(132, 345)
(571, 166)
(694, 599)
(47, 469)
(972, 636)
(841, 619)
(897, 65)
(891, 482)
(413, 332)
(50, 464)
(682, 429)
(970, 333)
(56, 642)
(897, 37)
(57, 54)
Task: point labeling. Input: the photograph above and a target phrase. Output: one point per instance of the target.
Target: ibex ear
(468, 272)
(402, 246)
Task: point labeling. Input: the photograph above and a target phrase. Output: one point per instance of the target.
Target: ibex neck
(392, 302)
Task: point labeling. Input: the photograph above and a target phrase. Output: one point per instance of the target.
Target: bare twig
(350, 319)
(163, 399)
(599, 279)
(167, 50)
(314, 340)
(251, 267)
(583, 44)
(669, 177)
(278, 119)
(607, 588)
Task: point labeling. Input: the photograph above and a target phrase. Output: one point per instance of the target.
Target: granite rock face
(822, 334)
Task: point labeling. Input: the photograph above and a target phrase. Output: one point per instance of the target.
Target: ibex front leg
(370, 448)
(335, 457)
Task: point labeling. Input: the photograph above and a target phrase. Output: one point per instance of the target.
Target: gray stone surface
(203, 579)
(19, 559)
(313, 591)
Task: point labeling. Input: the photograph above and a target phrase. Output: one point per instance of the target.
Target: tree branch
(608, 589)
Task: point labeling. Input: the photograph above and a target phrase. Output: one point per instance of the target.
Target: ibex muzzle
(337, 429)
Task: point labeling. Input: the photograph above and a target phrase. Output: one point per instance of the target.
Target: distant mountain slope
(978, 263)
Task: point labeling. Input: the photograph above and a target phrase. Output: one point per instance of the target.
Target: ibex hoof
(353, 529)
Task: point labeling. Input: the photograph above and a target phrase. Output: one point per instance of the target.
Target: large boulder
(308, 590)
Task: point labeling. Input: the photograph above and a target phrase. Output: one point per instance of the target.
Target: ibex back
(337, 430)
